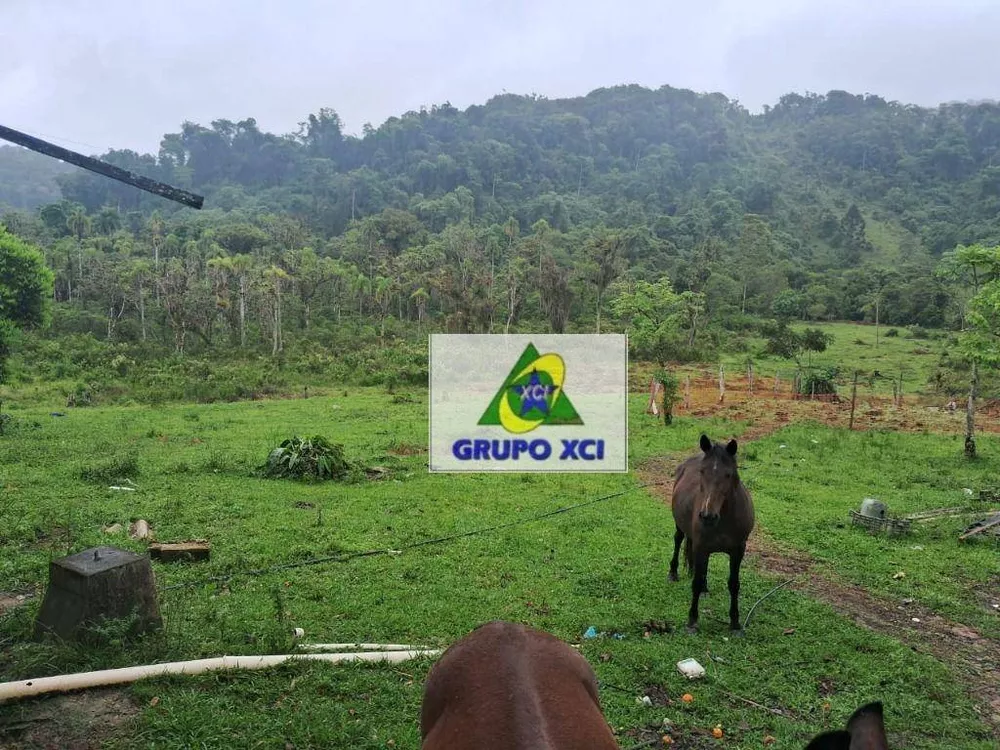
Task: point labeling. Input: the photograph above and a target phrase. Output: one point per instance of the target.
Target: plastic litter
(691, 669)
(591, 632)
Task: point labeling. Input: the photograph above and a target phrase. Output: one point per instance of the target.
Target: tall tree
(605, 254)
(555, 294)
(25, 291)
(976, 267)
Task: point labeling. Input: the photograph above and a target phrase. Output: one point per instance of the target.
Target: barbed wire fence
(869, 398)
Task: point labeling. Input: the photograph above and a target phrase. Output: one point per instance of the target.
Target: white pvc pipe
(362, 646)
(81, 680)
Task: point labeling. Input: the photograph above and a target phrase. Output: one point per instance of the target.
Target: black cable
(415, 545)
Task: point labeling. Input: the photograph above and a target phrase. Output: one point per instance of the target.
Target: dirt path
(973, 657)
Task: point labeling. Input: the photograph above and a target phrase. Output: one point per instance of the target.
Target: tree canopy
(528, 212)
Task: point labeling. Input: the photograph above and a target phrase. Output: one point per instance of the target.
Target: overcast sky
(120, 73)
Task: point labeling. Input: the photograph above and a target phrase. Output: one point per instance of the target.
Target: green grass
(807, 479)
(603, 565)
(853, 348)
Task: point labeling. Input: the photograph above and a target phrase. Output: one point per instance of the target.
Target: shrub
(669, 383)
(892, 333)
(820, 382)
(313, 458)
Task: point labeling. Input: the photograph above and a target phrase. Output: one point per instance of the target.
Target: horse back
(509, 687)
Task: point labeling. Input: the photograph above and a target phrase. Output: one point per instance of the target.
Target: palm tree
(220, 272)
(78, 223)
(275, 277)
(242, 265)
(138, 275)
(108, 221)
(420, 298)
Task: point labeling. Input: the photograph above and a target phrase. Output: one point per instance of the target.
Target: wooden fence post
(750, 376)
(900, 388)
(777, 379)
(687, 393)
(722, 384)
(854, 397)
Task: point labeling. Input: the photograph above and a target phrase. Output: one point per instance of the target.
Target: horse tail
(688, 556)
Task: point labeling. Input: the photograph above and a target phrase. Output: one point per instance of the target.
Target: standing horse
(713, 512)
(865, 731)
(509, 687)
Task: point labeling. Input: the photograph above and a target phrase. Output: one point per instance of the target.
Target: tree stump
(101, 583)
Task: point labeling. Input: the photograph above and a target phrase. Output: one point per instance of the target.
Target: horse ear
(731, 448)
(706, 444)
(867, 728)
(839, 740)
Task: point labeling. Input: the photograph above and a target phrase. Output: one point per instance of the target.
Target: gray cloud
(122, 72)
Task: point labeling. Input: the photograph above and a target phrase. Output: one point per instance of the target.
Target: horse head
(719, 479)
(865, 731)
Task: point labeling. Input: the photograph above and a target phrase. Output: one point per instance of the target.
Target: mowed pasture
(849, 629)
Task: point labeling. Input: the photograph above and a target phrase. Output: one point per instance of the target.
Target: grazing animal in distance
(506, 686)
(713, 512)
(865, 731)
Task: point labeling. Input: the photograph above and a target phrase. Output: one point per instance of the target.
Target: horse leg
(678, 538)
(697, 586)
(735, 559)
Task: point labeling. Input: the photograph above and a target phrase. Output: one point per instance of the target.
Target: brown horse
(509, 687)
(865, 731)
(713, 512)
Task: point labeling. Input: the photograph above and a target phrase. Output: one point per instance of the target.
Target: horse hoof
(673, 577)
(692, 629)
(737, 632)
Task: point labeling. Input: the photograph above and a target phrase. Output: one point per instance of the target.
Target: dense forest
(680, 216)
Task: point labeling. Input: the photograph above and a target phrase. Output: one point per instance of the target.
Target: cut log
(180, 551)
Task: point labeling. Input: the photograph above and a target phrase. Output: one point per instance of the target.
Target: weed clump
(114, 469)
(311, 458)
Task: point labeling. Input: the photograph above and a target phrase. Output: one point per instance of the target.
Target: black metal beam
(103, 168)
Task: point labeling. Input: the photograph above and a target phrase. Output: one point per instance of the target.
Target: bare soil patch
(79, 721)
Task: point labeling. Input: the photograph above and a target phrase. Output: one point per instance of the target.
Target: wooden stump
(98, 584)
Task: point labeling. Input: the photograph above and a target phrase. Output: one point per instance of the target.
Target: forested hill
(800, 205)
(624, 156)
(27, 179)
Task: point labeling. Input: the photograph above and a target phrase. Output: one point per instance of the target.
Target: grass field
(602, 565)
(854, 348)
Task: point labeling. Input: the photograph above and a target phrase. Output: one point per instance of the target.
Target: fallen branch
(775, 711)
